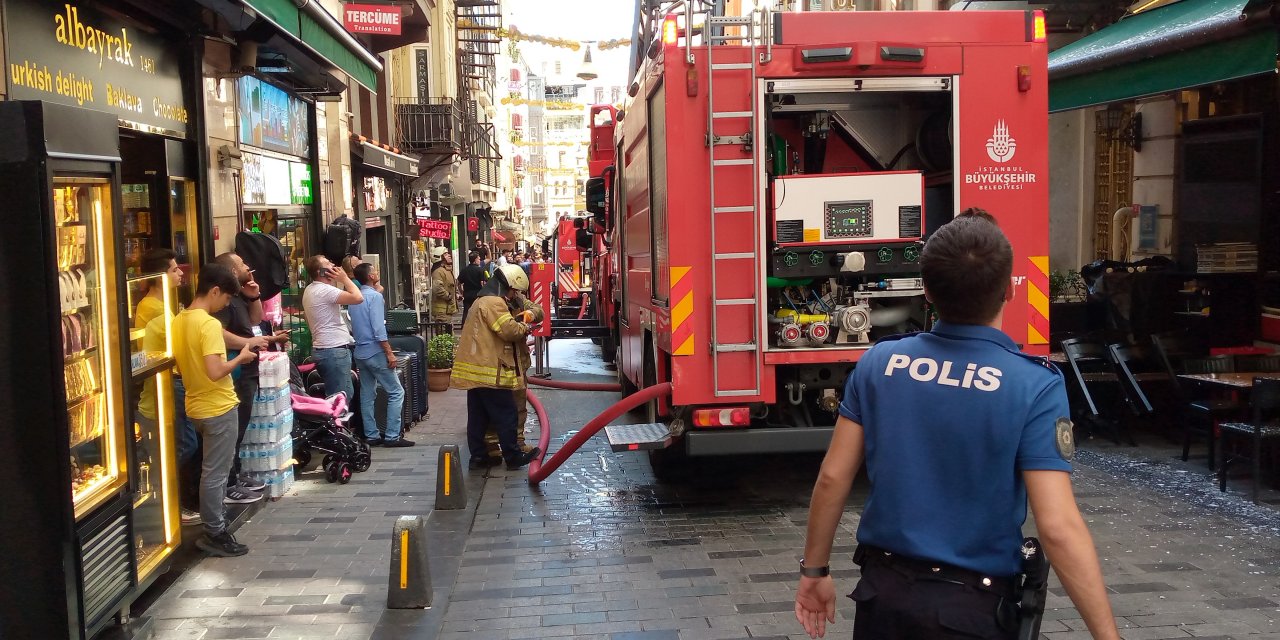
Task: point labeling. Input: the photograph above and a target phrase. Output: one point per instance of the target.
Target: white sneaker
(189, 517)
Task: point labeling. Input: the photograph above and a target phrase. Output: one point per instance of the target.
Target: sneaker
(523, 458)
(238, 495)
(189, 517)
(398, 442)
(375, 442)
(223, 545)
(246, 481)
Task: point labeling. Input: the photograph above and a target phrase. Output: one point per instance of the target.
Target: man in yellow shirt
(211, 400)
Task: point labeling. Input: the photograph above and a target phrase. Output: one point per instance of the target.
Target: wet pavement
(602, 549)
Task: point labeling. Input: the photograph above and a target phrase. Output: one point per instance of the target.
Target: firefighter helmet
(438, 253)
(515, 277)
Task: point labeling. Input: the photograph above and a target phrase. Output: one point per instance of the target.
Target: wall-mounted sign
(272, 119)
(473, 224)
(275, 178)
(436, 229)
(254, 190)
(379, 158)
(379, 19)
(69, 54)
(375, 194)
(299, 183)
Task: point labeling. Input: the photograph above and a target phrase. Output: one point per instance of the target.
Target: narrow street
(603, 550)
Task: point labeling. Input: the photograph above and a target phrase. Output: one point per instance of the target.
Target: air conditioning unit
(446, 190)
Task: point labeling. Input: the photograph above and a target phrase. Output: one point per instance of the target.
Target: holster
(1035, 588)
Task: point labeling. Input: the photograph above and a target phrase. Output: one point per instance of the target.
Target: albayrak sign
(376, 19)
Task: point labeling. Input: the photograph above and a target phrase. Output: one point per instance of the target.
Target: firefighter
(487, 366)
(530, 313)
(939, 537)
(444, 286)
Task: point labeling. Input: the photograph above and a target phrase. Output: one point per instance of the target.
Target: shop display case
(152, 465)
(70, 528)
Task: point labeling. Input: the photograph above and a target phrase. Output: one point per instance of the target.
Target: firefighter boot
(522, 458)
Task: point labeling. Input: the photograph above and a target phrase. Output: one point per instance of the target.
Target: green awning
(286, 15)
(1182, 45)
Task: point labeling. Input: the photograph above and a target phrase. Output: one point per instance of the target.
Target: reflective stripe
(463, 375)
(497, 324)
(476, 368)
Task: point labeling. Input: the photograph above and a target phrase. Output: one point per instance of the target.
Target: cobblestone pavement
(603, 550)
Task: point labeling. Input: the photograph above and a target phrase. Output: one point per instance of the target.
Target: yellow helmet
(516, 277)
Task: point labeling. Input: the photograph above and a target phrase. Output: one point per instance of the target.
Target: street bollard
(409, 585)
(451, 489)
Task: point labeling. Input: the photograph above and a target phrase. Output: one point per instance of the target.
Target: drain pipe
(539, 471)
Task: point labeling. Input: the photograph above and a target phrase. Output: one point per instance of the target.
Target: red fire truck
(776, 175)
(600, 164)
(573, 266)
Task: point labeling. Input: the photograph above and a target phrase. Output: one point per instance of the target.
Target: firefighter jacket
(486, 356)
(523, 304)
(444, 292)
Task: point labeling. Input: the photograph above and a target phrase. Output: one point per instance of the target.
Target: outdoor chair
(1147, 386)
(1204, 414)
(1095, 382)
(1263, 428)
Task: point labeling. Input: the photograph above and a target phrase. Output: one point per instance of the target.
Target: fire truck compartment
(858, 171)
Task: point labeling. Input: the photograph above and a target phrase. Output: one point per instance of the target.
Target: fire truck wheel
(670, 463)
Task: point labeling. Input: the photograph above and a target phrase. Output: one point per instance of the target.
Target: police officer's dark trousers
(496, 407)
(906, 599)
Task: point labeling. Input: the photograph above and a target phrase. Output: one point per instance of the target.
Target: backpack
(342, 239)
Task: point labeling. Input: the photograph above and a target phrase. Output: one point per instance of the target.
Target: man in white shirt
(331, 340)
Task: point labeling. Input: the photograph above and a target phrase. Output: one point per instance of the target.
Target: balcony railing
(431, 125)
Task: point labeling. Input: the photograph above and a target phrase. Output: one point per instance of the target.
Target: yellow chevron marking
(685, 349)
(1041, 263)
(682, 310)
(1039, 301)
(678, 273)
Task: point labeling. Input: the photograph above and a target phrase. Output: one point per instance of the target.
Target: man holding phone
(239, 318)
(331, 341)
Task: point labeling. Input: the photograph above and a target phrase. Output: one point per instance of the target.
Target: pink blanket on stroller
(334, 406)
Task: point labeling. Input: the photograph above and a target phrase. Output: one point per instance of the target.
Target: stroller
(321, 424)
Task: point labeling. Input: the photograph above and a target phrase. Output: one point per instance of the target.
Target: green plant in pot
(440, 350)
(1066, 286)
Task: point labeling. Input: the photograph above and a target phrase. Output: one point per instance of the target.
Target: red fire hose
(575, 386)
(539, 472)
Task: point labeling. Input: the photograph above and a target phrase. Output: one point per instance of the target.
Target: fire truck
(572, 257)
(776, 175)
(600, 166)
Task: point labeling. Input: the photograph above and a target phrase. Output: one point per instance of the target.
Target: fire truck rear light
(670, 32)
(1039, 32)
(1024, 78)
(729, 417)
(691, 82)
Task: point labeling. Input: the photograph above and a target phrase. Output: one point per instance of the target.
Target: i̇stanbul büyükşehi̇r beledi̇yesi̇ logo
(1000, 146)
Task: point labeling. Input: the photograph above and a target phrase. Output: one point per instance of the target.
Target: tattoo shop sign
(435, 229)
(70, 54)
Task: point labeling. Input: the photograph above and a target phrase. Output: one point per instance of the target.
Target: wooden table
(1238, 380)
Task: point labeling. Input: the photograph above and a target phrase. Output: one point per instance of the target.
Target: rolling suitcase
(418, 373)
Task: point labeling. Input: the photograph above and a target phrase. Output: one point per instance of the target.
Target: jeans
(486, 406)
(247, 392)
(219, 436)
(335, 367)
(188, 447)
(374, 373)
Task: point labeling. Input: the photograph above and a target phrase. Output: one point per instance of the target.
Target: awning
(1178, 46)
(379, 158)
(320, 32)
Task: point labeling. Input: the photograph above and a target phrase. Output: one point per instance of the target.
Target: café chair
(1203, 414)
(1263, 428)
(1095, 379)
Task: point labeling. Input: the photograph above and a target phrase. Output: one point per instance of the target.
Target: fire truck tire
(608, 349)
(670, 463)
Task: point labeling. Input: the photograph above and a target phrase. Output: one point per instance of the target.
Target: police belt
(868, 556)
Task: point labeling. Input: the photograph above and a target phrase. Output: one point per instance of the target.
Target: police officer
(958, 429)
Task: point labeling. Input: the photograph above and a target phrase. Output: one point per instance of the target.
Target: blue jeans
(374, 373)
(335, 368)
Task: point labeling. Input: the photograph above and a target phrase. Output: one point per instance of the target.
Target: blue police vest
(952, 417)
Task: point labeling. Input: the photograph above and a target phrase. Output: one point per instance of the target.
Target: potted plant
(440, 361)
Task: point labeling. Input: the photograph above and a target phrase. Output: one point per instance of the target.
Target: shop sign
(375, 194)
(272, 119)
(378, 19)
(254, 189)
(69, 54)
(379, 158)
(436, 229)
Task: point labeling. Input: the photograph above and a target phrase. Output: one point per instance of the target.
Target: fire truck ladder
(729, 156)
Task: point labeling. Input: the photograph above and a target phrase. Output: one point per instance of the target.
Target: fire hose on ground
(538, 471)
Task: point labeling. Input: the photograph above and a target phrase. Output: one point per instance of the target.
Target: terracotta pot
(438, 379)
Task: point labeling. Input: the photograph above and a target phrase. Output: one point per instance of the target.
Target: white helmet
(515, 276)
(438, 253)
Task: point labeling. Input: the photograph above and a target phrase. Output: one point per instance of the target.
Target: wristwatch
(814, 572)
